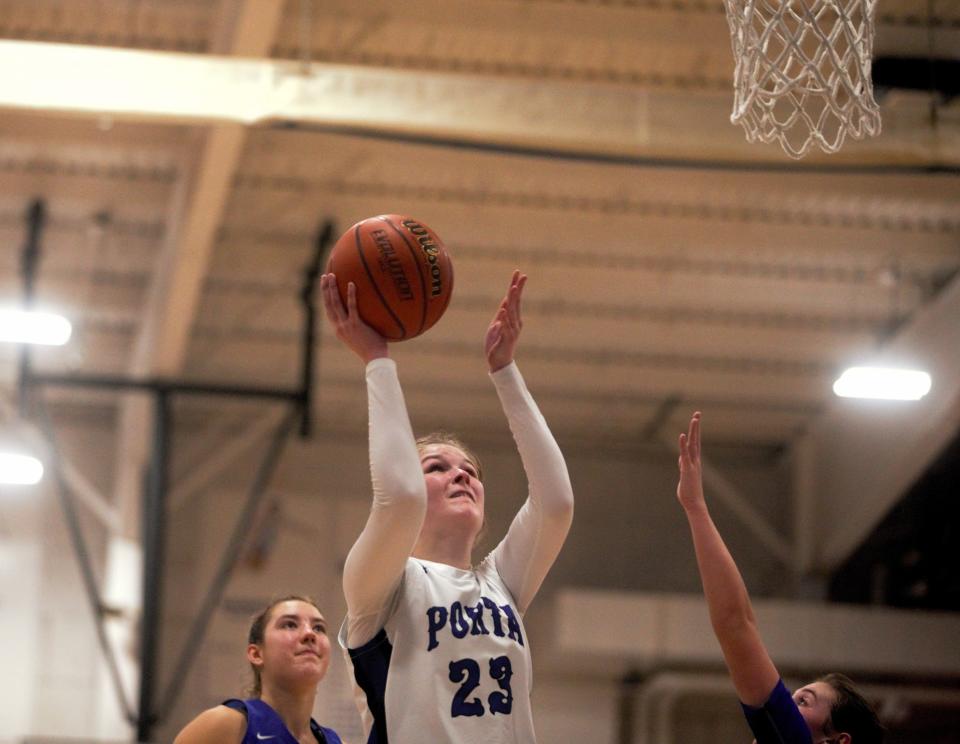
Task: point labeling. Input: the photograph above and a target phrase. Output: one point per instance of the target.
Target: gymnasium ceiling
(587, 142)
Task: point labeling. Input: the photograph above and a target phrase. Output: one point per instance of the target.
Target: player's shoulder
(217, 724)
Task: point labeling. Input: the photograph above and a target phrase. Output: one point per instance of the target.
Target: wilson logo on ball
(432, 252)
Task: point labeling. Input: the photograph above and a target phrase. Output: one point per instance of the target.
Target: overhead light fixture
(885, 383)
(29, 327)
(21, 470)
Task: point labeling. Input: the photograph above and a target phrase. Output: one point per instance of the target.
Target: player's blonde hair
(452, 440)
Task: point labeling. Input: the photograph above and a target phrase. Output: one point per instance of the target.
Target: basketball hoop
(802, 74)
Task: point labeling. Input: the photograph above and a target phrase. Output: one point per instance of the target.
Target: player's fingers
(510, 305)
(352, 301)
(695, 433)
(505, 302)
(518, 300)
(331, 298)
(323, 289)
(513, 304)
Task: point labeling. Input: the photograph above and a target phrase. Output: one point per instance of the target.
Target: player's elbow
(400, 489)
(559, 508)
(411, 496)
(560, 511)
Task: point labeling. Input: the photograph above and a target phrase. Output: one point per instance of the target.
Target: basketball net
(802, 74)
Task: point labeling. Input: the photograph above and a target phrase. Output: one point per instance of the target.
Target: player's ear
(255, 654)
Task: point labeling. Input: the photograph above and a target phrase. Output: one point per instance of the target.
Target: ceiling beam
(582, 117)
(194, 215)
(197, 213)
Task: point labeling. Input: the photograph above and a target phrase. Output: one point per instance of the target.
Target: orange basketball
(402, 270)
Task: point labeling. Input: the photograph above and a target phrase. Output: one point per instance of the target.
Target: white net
(802, 74)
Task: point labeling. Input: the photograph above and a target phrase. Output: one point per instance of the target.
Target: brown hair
(445, 437)
(258, 628)
(851, 713)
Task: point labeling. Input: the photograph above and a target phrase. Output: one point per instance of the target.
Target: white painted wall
(663, 631)
(21, 560)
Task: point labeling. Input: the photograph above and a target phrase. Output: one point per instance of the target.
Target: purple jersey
(263, 723)
(779, 720)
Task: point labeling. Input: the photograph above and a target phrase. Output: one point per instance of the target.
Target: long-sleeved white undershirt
(376, 562)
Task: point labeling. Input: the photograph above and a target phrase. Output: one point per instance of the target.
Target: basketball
(402, 271)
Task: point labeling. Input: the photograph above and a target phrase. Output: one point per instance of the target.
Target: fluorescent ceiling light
(28, 327)
(20, 470)
(882, 382)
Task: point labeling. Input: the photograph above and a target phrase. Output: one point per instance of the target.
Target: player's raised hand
(502, 335)
(690, 487)
(360, 338)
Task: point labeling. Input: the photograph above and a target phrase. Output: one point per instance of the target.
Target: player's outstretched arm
(376, 561)
(731, 614)
(538, 531)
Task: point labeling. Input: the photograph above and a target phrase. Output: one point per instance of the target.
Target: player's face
(815, 702)
(295, 649)
(453, 490)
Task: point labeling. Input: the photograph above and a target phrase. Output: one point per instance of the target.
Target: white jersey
(451, 664)
(439, 654)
